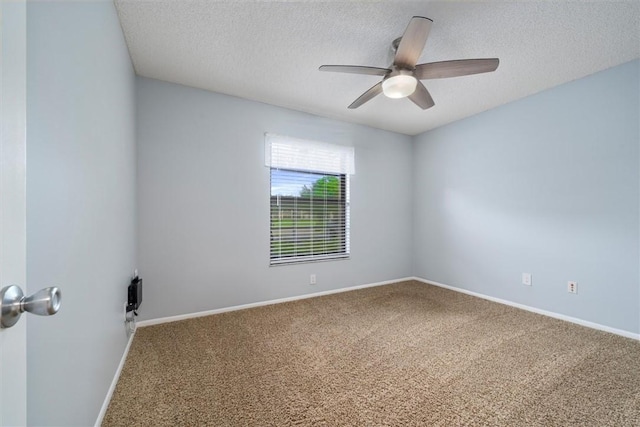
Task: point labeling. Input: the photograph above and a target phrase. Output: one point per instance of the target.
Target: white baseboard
(158, 321)
(575, 320)
(114, 382)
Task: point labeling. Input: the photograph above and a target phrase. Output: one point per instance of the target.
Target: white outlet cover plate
(526, 279)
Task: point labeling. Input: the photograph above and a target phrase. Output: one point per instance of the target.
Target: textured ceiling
(270, 51)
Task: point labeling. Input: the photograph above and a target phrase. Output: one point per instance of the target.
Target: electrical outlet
(526, 279)
(572, 287)
(312, 279)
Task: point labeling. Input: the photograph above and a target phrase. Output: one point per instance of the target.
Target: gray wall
(80, 203)
(547, 185)
(203, 209)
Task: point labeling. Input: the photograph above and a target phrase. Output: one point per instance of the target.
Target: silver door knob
(13, 303)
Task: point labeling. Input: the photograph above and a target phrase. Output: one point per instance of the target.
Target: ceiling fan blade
(374, 91)
(355, 69)
(421, 97)
(412, 42)
(461, 67)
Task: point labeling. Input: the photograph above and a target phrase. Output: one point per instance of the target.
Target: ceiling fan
(402, 78)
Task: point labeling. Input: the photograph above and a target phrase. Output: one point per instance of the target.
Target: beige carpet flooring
(407, 354)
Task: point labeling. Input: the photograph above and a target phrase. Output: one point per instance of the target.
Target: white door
(13, 341)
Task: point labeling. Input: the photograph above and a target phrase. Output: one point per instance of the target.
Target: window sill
(308, 260)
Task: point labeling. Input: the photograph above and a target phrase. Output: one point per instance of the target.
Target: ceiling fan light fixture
(399, 86)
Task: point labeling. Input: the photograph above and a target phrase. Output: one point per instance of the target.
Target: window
(309, 215)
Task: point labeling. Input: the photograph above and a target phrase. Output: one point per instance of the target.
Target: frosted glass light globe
(399, 86)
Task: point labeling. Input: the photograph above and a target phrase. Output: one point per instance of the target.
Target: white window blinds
(284, 152)
(309, 199)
